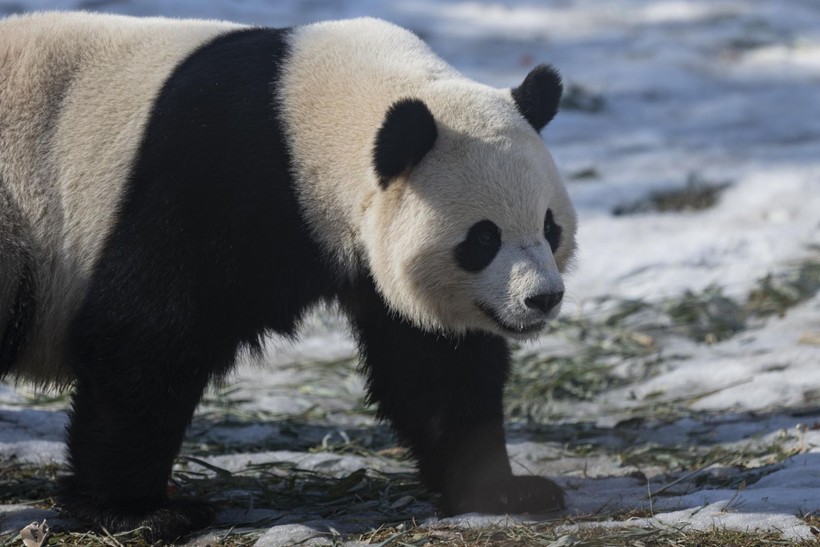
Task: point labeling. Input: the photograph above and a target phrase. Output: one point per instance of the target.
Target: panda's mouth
(507, 327)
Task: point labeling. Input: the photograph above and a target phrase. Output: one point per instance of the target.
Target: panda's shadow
(233, 434)
(313, 477)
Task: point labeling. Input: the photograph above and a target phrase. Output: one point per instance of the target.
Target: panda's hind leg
(142, 365)
(121, 447)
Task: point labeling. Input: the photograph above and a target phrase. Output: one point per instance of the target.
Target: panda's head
(472, 225)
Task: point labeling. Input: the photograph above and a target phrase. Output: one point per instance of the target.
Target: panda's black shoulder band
(405, 137)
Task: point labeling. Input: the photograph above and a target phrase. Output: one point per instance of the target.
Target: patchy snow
(770, 504)
(725, 91)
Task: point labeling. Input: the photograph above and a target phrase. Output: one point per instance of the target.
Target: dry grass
(696, 195)
(28, 484)
(552, 535)
(512, 534)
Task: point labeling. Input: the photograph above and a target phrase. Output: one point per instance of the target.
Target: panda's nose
(544, 302)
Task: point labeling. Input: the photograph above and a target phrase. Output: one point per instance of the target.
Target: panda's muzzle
(521, 329)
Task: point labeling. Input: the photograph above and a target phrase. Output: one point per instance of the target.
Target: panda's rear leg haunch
(443, 397)
(122, 440)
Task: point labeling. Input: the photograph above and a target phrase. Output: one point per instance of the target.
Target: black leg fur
(14, 327)
(444, 399)
(17, 283)
(134, 397)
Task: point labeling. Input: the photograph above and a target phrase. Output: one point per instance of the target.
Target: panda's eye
(552, 231)
(485, 239)
(479, 247)
(485, 234)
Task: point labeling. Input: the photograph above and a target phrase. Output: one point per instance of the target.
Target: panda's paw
(510, 495)
(171, 520)
(177, 518)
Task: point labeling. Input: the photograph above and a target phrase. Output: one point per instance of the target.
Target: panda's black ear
(538, 97)
(406, 135)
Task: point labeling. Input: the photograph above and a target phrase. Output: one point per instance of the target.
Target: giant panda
(173, 190)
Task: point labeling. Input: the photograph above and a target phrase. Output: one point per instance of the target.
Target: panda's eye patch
(552, 231)
(479, 247)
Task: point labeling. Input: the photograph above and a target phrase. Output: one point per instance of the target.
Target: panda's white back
(76, 90)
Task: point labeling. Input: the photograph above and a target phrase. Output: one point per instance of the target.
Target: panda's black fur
(20, 315)
(210, 250)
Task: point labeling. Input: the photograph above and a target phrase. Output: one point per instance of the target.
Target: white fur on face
(501, 173)
(520, 270)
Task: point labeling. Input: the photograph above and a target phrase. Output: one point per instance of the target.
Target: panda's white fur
(72, 112)
(485, 150)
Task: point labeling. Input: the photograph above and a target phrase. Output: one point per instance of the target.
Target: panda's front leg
(443, 397)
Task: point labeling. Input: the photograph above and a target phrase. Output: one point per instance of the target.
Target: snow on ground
(671, 92)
